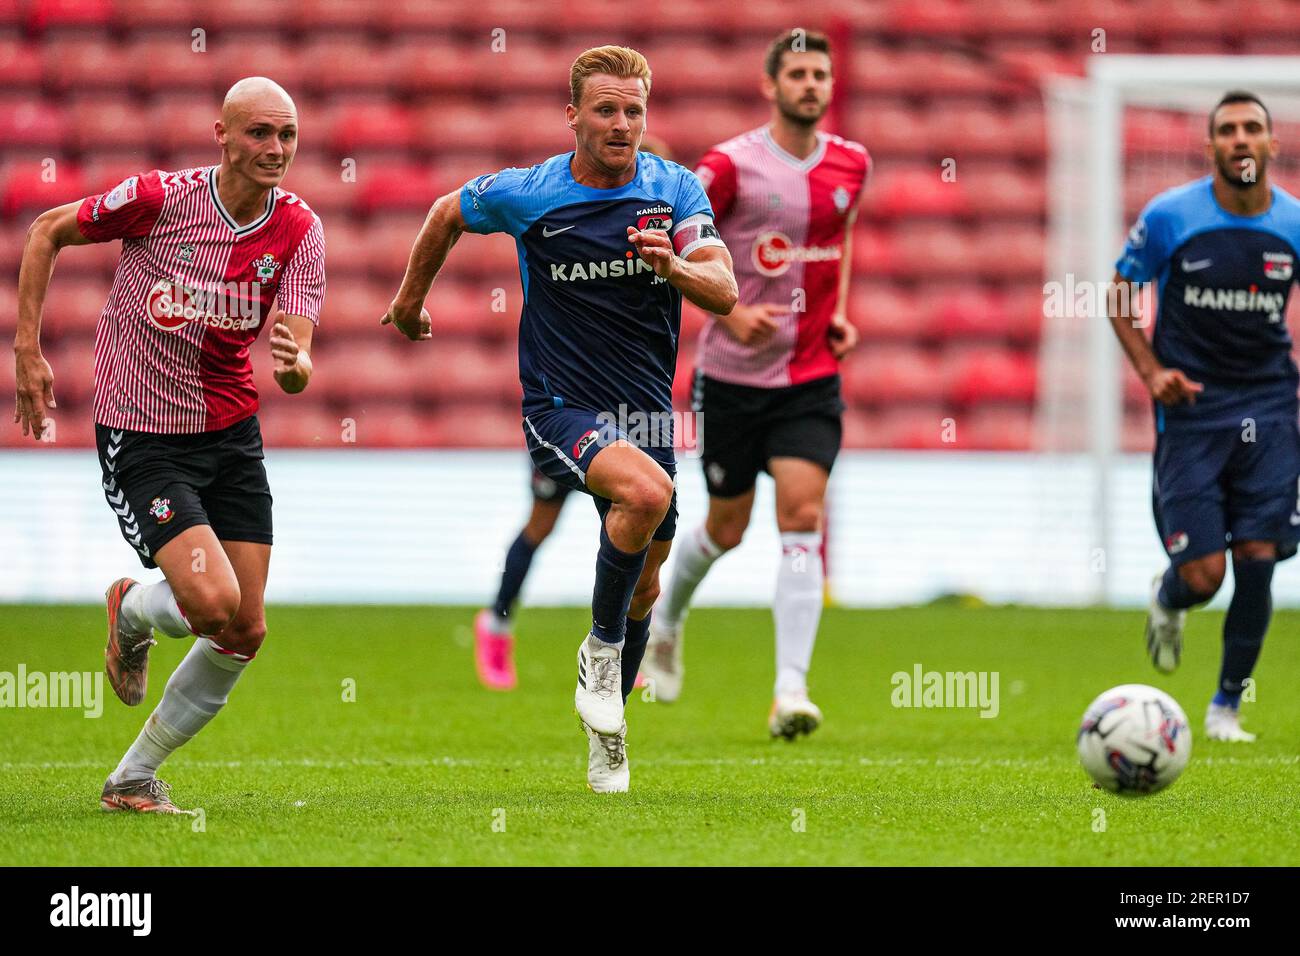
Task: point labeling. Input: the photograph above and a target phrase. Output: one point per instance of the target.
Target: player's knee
(1203, 577)
(1254, 551)
(243, 636)
(727, 532)
(212, 610)
(650, 495)
(806, 516)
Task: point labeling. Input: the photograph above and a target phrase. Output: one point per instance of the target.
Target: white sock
(797, 608)
(153, 605)
(697, 554)
(198, 688)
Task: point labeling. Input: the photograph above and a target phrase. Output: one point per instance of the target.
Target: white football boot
(1224, 723)
(1164, 631)
(598, 697)
(793, 714)
(662, 664)
(607, 769)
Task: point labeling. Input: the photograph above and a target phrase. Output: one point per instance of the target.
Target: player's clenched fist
(34, 392)
(1169, 386)
(654, 246)
(415, 324)
(843, 335)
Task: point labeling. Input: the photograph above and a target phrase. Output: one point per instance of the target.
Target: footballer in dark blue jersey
(1222, 253)
(609, 242)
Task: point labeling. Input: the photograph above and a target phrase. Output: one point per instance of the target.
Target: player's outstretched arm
(442, 227)
(52, 230)
(291, 351)
(1169, 386)
(705, 277)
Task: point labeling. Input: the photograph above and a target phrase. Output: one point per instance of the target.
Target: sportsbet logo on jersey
(172, 305)
(774, 251)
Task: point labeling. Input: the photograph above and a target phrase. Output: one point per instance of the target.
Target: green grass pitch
(426, 768)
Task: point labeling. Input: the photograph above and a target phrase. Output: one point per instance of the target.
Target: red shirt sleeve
(127, 211)
(717, 173)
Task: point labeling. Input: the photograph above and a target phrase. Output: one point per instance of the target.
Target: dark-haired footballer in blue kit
(609, 242)
(1222, 251)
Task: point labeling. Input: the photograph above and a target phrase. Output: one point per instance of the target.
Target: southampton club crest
(266, 267)
(161, 508)
(841, 199)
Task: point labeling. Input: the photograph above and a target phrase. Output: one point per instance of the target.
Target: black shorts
(547, 489)
(160, 485)
(742, 428)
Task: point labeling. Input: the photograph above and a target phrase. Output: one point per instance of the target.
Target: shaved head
(254, 94)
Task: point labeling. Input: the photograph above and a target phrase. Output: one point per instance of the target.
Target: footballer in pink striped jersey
(767, 385)
(207, 254)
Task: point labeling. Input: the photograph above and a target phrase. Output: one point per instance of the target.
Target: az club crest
(655, 217)
(1278, 266)
(266, 267)
(161, 508)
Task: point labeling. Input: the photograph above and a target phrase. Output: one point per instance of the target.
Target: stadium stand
(403, 100)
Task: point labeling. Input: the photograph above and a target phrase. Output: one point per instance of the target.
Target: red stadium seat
(109, 122)
(989, 374)
(354, 307)
(477, 426)
(185, 123)
(158, 14)
(430, 17)
(251, 15)
(933, 18)
(73, 307)
(27, 188)
(883, 311)
(916, 190)
(405, 186)
(889, 373)
(919, 427)
(425, 67)
(466, 372)
(73, 363)
(296, 421)
(80, 14)
(383, 129)
(928, 249)
(28, 123)
(1003, 191)
(1005, 250)
(167, 63)
(355, 64)
(21, 64)
(235, 57)
(970, 313)
(996, 427)
(321, 184)
(460, 126)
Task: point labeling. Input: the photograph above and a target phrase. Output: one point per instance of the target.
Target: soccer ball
(1134, 739)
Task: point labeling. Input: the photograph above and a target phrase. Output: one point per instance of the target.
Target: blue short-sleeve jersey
(1222, 284)
(599, 329)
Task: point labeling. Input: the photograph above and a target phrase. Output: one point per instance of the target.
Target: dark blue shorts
(563, 442)
(1215, 486)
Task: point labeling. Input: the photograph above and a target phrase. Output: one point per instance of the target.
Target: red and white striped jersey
(783, 219)
(192, 291)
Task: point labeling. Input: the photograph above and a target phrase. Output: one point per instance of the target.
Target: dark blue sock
(1175, 593)
(638, 635)
(518, 559)
(1245, 625)
(616, 576)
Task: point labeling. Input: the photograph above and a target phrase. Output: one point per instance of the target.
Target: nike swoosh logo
(547, 231)
(1196, 266)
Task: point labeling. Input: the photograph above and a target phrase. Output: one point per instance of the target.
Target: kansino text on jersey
(611, 269)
